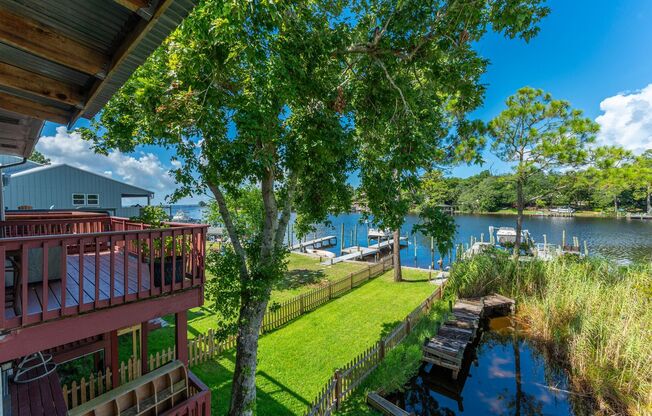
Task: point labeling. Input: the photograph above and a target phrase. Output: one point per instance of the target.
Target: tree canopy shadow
(388, 327)
(299, 277)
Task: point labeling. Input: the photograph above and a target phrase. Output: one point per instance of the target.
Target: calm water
(619, 239)
(504, 375)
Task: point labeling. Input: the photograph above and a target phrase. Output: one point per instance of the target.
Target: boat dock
(317, 243)
(447, 348)
(359, 252)
(639, 216)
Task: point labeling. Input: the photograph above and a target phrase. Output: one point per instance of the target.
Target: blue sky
(587, 52)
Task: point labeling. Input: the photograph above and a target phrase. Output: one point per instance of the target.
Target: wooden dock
(317, 243)
(358, 252)
(447, 348)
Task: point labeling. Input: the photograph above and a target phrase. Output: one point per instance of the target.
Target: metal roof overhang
(64, 59)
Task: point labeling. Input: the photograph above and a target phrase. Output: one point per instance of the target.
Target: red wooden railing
(100, 261)
(199, 400)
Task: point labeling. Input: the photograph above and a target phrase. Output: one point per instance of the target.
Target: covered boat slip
(50, 276)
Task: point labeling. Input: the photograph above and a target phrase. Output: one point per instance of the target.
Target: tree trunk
(243, 394)
(616, 205)
(396, 253)
(648, 199)
(520, 206)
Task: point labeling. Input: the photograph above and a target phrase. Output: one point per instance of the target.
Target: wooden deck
(42, 397)
(447, 348)
(35, 290)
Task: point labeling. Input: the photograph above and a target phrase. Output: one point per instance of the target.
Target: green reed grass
(595, 316)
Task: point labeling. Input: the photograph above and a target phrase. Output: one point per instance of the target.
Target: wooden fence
(346, 379)
(279, 315)
(206, 346)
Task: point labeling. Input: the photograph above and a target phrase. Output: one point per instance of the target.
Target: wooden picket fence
(346, 379)
(279, 315)
(207, 346)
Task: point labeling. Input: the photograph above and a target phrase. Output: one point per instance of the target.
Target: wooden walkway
(321, 242)
(35, 291)
(447, 348)
(356, 252)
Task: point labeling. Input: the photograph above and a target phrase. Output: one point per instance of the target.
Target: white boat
(562, 210)
(377, 233)
(508, 235)
(181, 216)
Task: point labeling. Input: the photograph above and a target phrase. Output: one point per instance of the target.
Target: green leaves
(540, 133)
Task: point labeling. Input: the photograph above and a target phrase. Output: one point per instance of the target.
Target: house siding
(42, 188)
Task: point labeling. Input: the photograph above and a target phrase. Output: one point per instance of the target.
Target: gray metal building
(64, 187)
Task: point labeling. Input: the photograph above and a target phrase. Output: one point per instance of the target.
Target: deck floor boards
(35, 291)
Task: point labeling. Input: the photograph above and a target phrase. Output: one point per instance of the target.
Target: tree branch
(391, 81)
(271, 213)
(287, 210)
(230, 227)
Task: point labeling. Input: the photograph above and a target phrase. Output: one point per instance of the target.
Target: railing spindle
(46, 276)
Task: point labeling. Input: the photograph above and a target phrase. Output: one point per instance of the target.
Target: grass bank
(592, 315)
(398, 367)
(295, 361)
(537, 212)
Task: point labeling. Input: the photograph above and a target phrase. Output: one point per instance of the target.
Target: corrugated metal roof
(104, 26)
(167, 21)
(18, 133)
(95, 23)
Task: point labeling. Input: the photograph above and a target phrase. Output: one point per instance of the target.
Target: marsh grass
(594, 316)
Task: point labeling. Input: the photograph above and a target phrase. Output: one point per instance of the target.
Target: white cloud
(627, 120)
(144, 170)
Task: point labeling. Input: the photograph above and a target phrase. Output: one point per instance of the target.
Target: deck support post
(144, 350)
(114, 360)
(181, 336)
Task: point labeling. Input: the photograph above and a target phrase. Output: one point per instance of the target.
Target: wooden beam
(33, 109)
(12, 131)
(133, 5)
(181, 336)
(128, 45)
(20, 79)
(44, 41)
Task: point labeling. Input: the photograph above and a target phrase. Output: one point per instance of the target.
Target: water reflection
(503, 375)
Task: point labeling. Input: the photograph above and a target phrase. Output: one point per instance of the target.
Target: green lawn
(295, 361)
(304, 273)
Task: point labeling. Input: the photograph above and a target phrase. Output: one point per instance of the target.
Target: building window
(78, 199)
(92, 199)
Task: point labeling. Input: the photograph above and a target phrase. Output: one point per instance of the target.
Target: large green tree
(268, 93)
(245, 93)
(414, 74)
(642, 178)
(611, 172)
(537, 133)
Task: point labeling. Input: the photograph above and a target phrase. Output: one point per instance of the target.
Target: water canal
(622, 240)
(504, 374)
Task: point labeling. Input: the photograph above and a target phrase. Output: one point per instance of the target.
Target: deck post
(181, 336)
(114, 360)
(144, 350)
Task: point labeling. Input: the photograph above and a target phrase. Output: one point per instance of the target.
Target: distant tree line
(624, 184)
